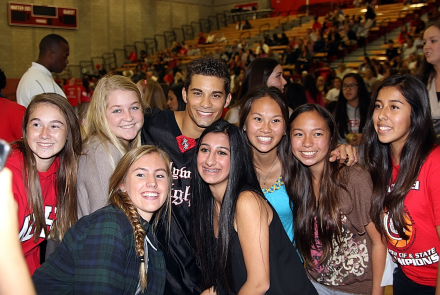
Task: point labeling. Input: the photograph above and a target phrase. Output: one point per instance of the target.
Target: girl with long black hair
(239, 239)
(404, 163)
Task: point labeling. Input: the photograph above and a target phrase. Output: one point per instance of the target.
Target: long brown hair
(66, 175)
(426, 71)
(307, 210)
(122, 200)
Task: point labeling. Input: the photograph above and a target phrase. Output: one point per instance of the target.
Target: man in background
(53, 57)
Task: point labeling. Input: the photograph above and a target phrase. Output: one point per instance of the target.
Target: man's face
(205, 99)
(59, 57)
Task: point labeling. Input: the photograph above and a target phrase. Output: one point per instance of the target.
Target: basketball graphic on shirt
(392, 234)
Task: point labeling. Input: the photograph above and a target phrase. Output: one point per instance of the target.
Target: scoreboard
(32, 15)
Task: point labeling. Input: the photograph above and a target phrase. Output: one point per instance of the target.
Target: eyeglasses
(350, 86)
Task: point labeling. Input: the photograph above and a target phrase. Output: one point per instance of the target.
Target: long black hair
(177, 90)
(217, 268)
(310, 207)
(257, 74)
(378, 160)
(275, 94)
(341, 108)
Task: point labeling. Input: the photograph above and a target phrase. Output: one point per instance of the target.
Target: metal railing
(188, 32)
(109, 60)
(151, 45)
(170, 36)
(211, 18)
(157, 42)
(117, 52)
(205, 24)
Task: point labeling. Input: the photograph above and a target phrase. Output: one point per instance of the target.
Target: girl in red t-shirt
(44, 168)
(404, 162)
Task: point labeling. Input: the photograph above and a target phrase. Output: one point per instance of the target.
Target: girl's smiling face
(310, 140)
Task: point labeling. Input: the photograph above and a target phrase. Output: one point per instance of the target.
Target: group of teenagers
(142, 201)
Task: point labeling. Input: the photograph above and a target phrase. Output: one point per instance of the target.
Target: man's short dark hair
(391, 41)
(51, 43)
(208, 66)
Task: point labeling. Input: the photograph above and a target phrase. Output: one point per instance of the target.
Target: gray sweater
(94, 171)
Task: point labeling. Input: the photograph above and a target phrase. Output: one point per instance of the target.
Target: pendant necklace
(264, 178)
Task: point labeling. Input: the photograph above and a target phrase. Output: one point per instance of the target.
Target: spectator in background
(312, 35)
(312, 93)
(333, 94)
(352, 108)
(86, 91)
(11, 115)
(290, 56)
(238, 26)
(391, 51)
(53, 57)
(408, 48)
(73, 93)
(319, 45)
(202, 39)
(262, 49)
(417, 25)
(268, 40)
(139, 75)
(413, 63)
(333, 40)
(370, 15)
(320, 84)
(152, 94)
(193, 50)
(316, 25)
(401, 38)
(169, 77)
(284, 40)
(132, 57)
(247, 25)
(342, 70)
(175, 100)
(127, 72)
(370, 78)
(296, 95)
(276, 39)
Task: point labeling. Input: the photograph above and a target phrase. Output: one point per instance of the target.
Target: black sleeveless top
(287, 273)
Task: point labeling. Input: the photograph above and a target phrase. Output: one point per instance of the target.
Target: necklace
(264, 178)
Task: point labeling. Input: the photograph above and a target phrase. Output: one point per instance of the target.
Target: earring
(123, 190)
(244, 129)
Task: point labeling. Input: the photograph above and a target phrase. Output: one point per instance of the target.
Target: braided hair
(121, 200)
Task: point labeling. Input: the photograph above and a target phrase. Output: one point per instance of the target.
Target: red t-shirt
(11, 118)
(73, 93)
(319, 98)
(316, 26)
(31, 250)
(418, 256)
(169, 79)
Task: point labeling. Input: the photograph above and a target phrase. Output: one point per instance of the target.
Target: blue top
(278, 198)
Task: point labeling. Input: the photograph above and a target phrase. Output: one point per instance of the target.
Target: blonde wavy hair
(122, 200)
(95, 121)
